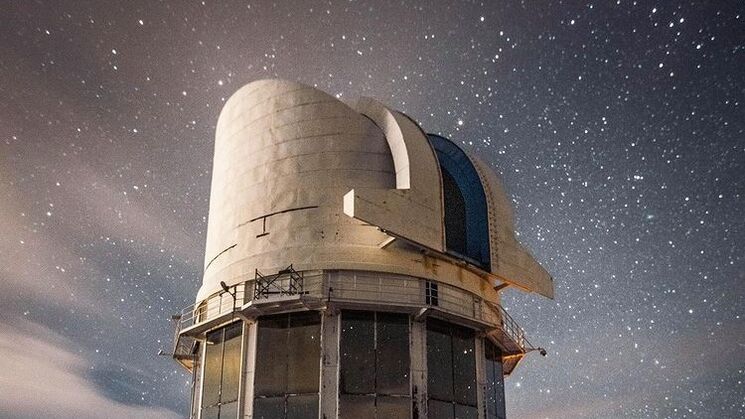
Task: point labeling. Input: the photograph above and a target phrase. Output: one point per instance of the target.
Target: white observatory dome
(301, 178)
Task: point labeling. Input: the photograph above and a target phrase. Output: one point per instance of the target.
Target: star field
(618, 129)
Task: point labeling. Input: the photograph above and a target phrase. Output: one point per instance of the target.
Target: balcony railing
(357, 289)
(214, 306)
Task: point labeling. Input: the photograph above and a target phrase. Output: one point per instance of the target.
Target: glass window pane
(210, 412)
(439, 361)
(231, 364)
(393, 407)
(270, 378)
(304, 406)
(392, 353)
(464, 367)
(356, 406)
(439, 410)
(466, 412)
(494, 382)
(431, 293)
(212, 368)
(304, 352)
(269, 408)
(499, 391)
(229, 411)
(491, 402)
(288, 362)
(357, 353)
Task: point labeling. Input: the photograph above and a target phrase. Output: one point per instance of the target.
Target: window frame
(287, 397)
(377, 397)
(223, 331)
(490, 389)
(453, 331)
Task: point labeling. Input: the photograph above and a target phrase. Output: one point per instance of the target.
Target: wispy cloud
(30, 259)
(43, 375)
(45, 247)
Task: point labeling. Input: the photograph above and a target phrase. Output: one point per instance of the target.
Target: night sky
(618, 129)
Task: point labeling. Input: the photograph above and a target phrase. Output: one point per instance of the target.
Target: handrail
(364, 288)
(511, 327)
(213, 306)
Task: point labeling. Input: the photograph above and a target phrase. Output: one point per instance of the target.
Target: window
(222, 369)
(466, 221)
(288, 353)
(374, 380)
(431, 293)
(451, 371)
(495, 406)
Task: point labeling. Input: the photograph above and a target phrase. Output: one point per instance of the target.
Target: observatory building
(353, 268)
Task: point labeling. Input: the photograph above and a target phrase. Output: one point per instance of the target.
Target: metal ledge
(289, 291)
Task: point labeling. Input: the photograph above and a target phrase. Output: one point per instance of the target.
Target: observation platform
(290, 291)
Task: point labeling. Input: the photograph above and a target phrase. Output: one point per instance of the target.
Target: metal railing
(214, 306)
(182, 347)
(362, 288)
(286, 282)
(417, 292)
(508, 325)
(261, 287)
(403, 290)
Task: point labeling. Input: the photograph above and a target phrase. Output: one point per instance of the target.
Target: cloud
(28, 256)
(46, 251)
(110, 211)
(41, 375)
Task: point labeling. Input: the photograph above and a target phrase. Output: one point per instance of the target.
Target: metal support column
(418, 353)
(250, 330)
(480, 377)
(330, 326)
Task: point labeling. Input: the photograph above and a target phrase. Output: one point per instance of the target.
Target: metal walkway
(291, 290)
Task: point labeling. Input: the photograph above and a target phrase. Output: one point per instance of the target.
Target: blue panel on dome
(466, 223)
